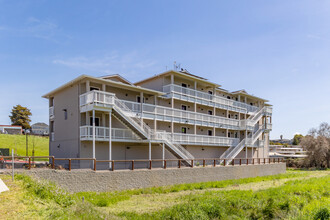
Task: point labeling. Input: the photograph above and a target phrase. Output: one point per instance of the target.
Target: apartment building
(174, 114)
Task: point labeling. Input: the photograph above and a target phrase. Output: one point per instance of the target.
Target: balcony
(203, 98)
(154, 112)
(191, 139)
(102, 134)
(51, 112)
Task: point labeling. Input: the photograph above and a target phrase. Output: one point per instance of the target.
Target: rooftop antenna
(176, 67)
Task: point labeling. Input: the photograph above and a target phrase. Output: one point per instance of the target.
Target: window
(228, 97)
(229, 116)
(138, 99)
(228, 134)
(209, 132)
(184, 85)
(183, 130)
(65, 114)
(236, 116)
(184, 107)
(236, 135)
(210, 112)
(210, 92)
(97, 121)
(94, 88)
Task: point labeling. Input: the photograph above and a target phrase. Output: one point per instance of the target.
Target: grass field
(18, 143)
(294, 195)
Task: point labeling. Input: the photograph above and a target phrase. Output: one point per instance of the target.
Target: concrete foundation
(101, 181)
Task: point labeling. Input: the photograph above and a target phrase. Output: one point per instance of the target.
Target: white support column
(87, 119)
(155, 121)
(163, 156)
(103, 87)
(141, 102)
(110, 139)
(93, 133)
(252, 152)
(149, 150)
(103, 119)
(172, 79)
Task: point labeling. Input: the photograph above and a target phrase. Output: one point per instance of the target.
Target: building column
(252, 152)
(163, 155)
(87, 119)
(93, 133)
(103, 119)
(141, 103)
(149, 150)
(110, 138)
(103, 87)
(172, 123)
(87, 86)
(155, 121)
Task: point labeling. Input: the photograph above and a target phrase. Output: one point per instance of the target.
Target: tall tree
(317, 144)
(20, 116)
(297, 139)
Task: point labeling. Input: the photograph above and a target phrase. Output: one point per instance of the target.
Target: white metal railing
(86, 133)
(52, 136)
(51, 112)
(105, 98)
(174, 146)
(269, 126)
(202, 97)
(180, 116)
(204, 140)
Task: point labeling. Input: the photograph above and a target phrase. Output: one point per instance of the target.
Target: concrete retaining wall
(100, 181)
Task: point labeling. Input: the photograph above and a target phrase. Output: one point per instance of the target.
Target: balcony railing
(208, 99)
(154, 112)
(51, 112)
(102, 133)
(204, 140)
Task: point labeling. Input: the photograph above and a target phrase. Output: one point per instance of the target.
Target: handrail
(202, 95)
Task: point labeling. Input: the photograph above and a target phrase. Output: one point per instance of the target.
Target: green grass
(18, 143)
(294, 195)
(103, 199)
(299, 199)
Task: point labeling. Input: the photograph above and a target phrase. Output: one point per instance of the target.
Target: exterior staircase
(133, 121)
(251, 122)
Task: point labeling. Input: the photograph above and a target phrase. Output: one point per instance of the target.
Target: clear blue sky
(278, 50)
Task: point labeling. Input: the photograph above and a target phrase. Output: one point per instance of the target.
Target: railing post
(259, 160)
(203, 162)
(53, 162)
(69, 164)
(214, 163)
(253, 161)
(113, 165)
(179, 163)
(164, 164)
(150, 164)
(132, 164)
(192, 163)
(264, 160)
(94, 164)
(224, 162)
(240, 162)
(233, 162)
(247, 161)
(29, 163)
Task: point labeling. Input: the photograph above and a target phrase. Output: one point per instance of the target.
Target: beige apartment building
(170, 115)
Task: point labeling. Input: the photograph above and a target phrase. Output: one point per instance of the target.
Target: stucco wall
(88, 180)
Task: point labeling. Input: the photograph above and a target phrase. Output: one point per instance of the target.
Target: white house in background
(10, 129)
(174, 114)
(40, 129)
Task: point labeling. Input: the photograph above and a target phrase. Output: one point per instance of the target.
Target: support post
(149, 150)
(163, 156)
(93, 133)
(110, 138)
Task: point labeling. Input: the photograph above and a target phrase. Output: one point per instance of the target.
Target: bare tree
(317, 144)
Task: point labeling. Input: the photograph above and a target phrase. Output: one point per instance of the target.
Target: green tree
(20, 116)
(297, 139)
